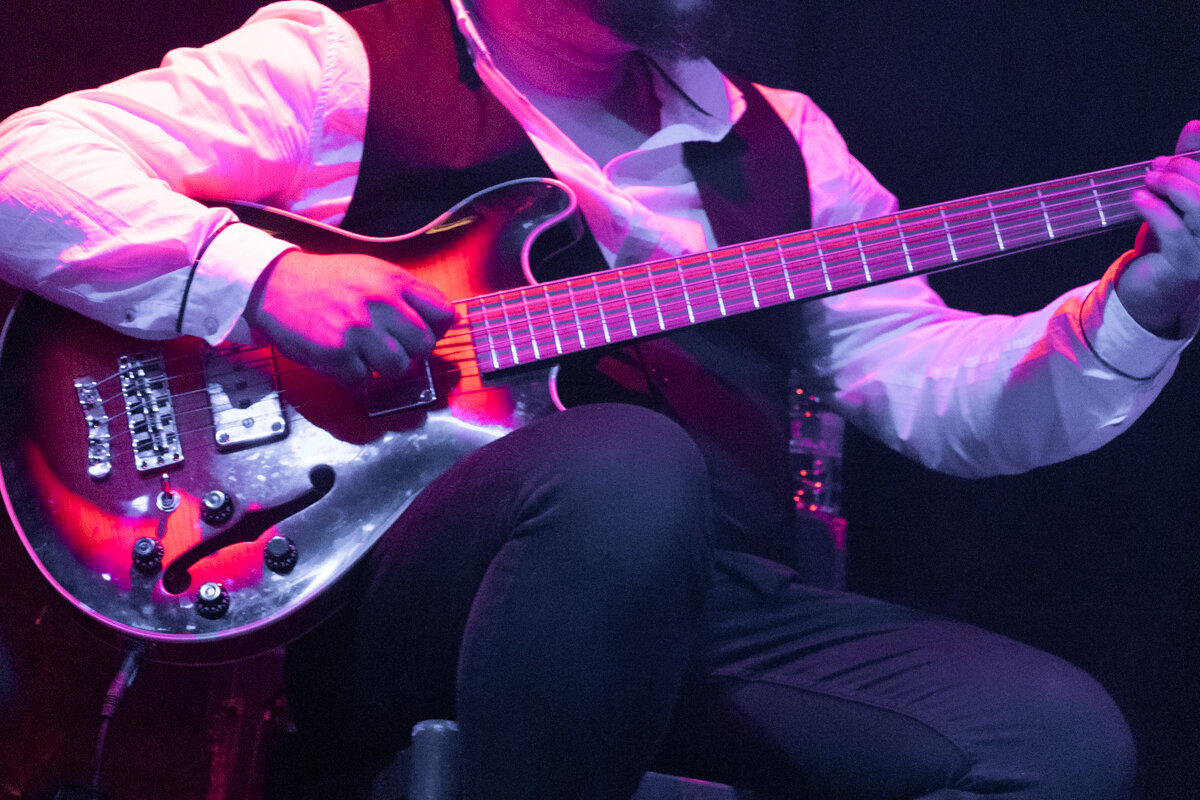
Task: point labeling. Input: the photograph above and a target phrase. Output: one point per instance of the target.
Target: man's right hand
(347, 315)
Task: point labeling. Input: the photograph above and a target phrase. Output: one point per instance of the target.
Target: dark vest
(435, 135)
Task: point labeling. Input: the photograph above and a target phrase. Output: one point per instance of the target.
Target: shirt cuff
(222, 280)
(1116, 338)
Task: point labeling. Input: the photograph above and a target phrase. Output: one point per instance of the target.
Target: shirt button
(210, 325)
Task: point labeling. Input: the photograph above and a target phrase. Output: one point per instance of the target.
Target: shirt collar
(698, 102)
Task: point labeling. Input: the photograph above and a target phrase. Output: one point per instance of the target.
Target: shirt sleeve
(965, 393)
(96, 188)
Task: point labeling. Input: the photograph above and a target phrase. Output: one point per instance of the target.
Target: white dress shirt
(95, 215)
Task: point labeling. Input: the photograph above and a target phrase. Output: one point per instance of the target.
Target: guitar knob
(280, 554)
(147, 554)
(216, 507)
(212, 600)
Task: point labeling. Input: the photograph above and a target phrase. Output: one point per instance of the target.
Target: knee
(1090, 747)
(631, 451)
(1068, 738)
(630, 491)
(631, 464)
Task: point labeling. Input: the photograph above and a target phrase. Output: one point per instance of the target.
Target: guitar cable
(116, 690)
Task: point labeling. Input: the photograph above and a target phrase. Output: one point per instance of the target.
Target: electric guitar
(209, 502)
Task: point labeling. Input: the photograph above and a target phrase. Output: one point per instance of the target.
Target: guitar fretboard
(529, 324)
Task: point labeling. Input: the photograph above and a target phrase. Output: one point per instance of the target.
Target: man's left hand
(1161, 286)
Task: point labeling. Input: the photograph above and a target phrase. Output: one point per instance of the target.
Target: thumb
(1146, 241)
(1189, 138)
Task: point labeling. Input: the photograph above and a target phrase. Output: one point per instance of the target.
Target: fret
(687, 301)
(1076, 207)
(591, 311)
(516, 332)
(877, 246)
(492, 313)
(787, 276)
(616, 302)
(926, 240)
(1071, 206)
(821, 258)
(767, 273)
(600, 308)
(640, 299)
(547, 323)
(808, 275)
(903, 244)
(620, 321)
(1096, 200)
(654, 297)
(729, 271)
(556, 294)
(1020, 217)
(972, 222)
(749, 277)
(1045, 213)
(488, 334)
(670, 294)
(995, 223)
(628, 306)
(949, 238)
(575, 315)
(843, 256)
(700, 280)
(862, 257)
(712, 266)
(499, 327)
(528, 315)
(1115, 188)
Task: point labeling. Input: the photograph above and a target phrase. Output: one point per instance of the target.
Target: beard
(666, 29)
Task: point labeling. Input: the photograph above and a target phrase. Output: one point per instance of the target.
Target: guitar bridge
(149, 410)
(99, 452)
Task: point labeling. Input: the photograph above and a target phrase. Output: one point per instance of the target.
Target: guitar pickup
(243, 395)
(392, 395)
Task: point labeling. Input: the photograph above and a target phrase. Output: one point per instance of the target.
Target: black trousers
(557, 593)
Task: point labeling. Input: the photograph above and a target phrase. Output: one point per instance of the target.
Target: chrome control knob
(212, 600)
(147, 554)
(216, 507)
(280, 554)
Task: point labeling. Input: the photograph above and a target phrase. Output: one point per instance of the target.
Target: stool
(429, 770)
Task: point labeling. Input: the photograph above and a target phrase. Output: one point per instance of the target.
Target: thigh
(809, 693)
(570, 495)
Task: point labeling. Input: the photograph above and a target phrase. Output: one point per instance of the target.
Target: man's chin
(666, 29)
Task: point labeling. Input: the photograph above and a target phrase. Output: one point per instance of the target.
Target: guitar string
(457, 338)
(840, 265)
(997, 212)
(1064, 216)
(179, 398)
(867, 241)
(932, 235)
(845, 261)
(654, 304)
(624, 301)
(117, 440)
(121, 441)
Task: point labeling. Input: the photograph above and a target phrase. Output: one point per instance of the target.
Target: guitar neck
(543, 321)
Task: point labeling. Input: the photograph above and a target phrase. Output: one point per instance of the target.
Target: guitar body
(310, 473)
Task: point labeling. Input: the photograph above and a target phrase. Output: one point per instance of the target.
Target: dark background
(1096, 560)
